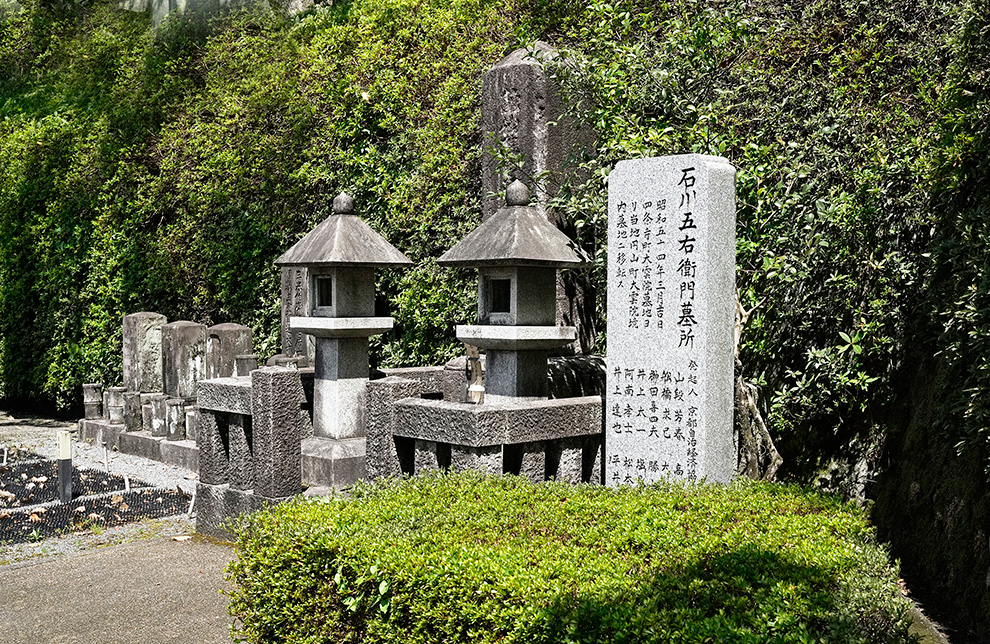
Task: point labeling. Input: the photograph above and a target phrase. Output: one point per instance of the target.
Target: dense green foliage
(957, 304)
(832, 113)
(470, 558)
(166, 170)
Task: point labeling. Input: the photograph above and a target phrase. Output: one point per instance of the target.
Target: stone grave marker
(671, 295)
(295, 302)
(142, 349)
(523, 114)
(183, 358)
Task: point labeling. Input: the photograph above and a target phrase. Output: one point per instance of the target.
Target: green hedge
(470, 558)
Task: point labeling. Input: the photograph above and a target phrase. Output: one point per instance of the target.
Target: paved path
(156, 591)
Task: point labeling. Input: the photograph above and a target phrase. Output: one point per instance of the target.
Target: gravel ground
(38, 435)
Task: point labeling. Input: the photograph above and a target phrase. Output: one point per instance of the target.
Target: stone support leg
(340, 387)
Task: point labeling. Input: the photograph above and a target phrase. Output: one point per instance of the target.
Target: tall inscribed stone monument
(523, 115)
(671, 296)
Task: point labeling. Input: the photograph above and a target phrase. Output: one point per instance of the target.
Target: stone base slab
(182, 454)
(101, 431)
(218, 506)
(336, 463)
(489, 424)
(231, 395)
(516, 338)
(349, 327)
(142, 444)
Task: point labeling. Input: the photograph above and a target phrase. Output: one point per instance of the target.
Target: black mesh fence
(29, 507)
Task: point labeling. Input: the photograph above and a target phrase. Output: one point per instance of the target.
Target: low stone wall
(544, 439)
(250, 441)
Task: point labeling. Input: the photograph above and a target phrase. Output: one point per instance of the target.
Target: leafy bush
(832, 112)
(470, 558)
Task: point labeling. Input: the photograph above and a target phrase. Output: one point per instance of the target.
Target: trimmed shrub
(474, 558)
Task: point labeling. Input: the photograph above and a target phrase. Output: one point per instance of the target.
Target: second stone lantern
(517, 252)
(341, 254)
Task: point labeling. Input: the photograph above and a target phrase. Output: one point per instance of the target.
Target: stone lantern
(517, 252)
(340, 256)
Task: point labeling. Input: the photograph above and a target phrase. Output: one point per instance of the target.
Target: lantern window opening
(500, 295)
(324, 291)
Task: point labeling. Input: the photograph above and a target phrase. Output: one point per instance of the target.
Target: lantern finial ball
(517, 194)
(343, 204)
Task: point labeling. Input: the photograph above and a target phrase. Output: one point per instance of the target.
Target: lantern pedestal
(516, 368)
(341, 377)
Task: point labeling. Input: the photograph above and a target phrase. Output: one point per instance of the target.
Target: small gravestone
(671, 294)
(183, 358)
(224, 342)
(142, 340)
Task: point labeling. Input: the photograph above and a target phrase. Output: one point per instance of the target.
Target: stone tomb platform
(324, 462)
(540, 439)
(101, 431)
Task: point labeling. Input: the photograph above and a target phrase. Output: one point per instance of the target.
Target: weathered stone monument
(671, 288)
(523, 117)
(183, 358)
(295, 302)
(154, 414)
(224, 342)
(142, 339)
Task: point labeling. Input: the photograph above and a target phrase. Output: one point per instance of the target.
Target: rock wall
(933, 507)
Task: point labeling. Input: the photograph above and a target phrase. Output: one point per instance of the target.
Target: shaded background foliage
(830, 112)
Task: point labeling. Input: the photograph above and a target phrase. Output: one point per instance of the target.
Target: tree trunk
(758, 456)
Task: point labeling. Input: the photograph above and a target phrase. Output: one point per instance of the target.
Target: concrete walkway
(156, 591)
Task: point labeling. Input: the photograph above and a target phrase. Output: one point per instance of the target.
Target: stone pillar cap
(343, 204)
(517, 194)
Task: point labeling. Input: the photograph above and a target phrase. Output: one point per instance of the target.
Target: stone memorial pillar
(295, 302)
(175, 419)
(115, 404)
(244, 364)
(183, 358)
(157, 415)
(142, 340)
(133, 420)
(671, 288)
(523, 116)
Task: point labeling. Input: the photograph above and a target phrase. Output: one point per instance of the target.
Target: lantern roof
(343, 239)
(516, 235)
